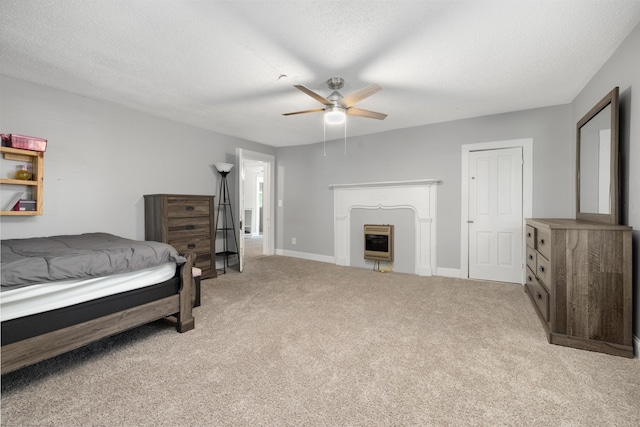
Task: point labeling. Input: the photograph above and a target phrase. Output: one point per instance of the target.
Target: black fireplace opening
(376, 242)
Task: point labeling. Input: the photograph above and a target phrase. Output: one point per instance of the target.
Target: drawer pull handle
(191, 245)
(541, 269)
(188, 208)
(541, 241)
(528, 234)
(539, 295)
(530, 279)
(190, 227)
(531, 257)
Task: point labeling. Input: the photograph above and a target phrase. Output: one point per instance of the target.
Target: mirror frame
(613, 217)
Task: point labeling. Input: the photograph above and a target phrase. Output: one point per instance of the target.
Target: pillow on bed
(49, 259)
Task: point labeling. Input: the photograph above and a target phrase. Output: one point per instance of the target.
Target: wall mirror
(597, 191)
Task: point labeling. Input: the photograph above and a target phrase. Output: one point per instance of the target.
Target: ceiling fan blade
(314, 95)
(357, 96)
(365, 113)
(316, 110)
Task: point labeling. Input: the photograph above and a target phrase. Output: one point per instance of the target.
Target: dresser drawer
(532, 257)
(531, 236)
(543, 270)
(195, 244)
(181, 228)
(543, 242)
(187, 207)
(539, 295)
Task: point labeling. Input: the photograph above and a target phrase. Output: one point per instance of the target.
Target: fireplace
(420, 196)
(378, 242)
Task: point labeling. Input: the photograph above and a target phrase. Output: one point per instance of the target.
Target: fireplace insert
(378, 242)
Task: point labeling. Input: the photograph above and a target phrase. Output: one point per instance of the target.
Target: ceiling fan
(337, 106)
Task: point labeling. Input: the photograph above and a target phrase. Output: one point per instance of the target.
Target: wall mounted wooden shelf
(32, 187)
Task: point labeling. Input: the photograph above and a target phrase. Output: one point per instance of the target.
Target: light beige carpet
(296, 342)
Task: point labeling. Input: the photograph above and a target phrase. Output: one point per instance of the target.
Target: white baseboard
(448, 272)
(305, 255)
(424, 272)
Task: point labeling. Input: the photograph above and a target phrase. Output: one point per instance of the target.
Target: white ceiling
(217, 64)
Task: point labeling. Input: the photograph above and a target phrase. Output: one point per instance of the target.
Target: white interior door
(241, 174)
(257, 222)
(495, 218)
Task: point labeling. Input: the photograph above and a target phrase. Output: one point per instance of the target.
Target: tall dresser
(186, 222)
(579, 281)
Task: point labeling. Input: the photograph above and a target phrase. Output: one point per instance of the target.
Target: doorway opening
(256, 203)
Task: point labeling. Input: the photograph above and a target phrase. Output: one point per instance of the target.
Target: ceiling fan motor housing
(335, 97)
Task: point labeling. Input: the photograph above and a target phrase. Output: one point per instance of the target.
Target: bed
(62, 292)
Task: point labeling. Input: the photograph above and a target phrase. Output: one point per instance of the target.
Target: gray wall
(622, 70)
(102, 158)
(432, 151)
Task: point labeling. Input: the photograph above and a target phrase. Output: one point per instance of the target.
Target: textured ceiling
(217, 64)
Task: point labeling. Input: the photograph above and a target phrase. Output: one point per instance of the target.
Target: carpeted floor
(253, 246)
(297, 342)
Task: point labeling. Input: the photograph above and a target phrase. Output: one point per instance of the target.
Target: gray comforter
(50, 259)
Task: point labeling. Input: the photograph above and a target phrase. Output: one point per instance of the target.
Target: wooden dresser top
(570, 223)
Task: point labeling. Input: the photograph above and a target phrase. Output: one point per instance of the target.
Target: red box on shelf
(24, 142)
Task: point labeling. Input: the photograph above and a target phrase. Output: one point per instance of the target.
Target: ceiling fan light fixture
(335, 115)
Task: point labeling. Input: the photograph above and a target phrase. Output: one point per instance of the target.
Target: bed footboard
(184, 317)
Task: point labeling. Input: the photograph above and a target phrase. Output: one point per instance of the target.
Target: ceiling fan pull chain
(345, 137)
(324, 134)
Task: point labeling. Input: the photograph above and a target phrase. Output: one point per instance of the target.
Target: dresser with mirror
(579, 271)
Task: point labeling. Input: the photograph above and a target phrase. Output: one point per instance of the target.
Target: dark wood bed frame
(35, 349)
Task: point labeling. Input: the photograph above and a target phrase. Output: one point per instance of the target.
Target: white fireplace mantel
(417, 195)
